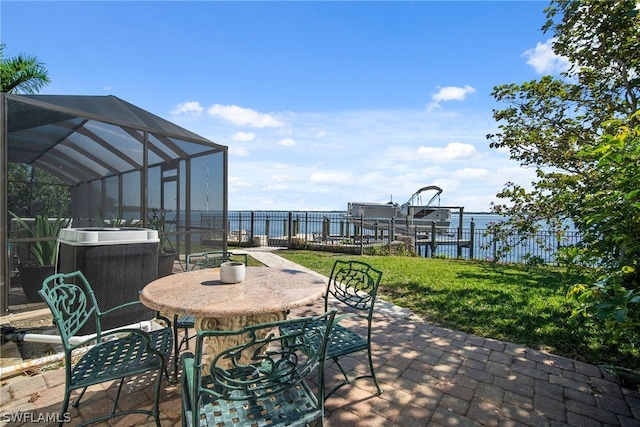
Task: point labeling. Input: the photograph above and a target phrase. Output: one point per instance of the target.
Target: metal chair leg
(76, 402)
(176, 348)
(373, 373)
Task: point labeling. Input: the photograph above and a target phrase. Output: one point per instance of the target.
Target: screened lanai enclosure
(113, 165)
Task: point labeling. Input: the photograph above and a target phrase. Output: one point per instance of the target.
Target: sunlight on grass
(508, 302)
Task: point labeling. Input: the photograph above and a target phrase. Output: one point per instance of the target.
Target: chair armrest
(94, 339)
(246, 257)
(341, 317)
(188, 364)
(100, 314)
(112, 309)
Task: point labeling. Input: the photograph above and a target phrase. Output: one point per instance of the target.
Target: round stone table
(265, 295)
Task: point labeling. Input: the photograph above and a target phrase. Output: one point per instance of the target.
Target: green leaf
(621, 315)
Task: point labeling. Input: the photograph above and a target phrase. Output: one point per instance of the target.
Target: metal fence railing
(335, 231)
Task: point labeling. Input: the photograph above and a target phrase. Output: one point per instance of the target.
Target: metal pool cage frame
(122, 164)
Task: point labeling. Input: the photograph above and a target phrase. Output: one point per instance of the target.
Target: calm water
(275, 225)
(313, 220)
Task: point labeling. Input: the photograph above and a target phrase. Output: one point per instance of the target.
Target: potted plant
(166, 254)
(44, 253)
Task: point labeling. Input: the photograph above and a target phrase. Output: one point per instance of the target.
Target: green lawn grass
(508, 302)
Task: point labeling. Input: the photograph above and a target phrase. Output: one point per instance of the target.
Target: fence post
(325, 229)
(290, 229)
(460, 232)
(252, 232)
(489, 246)
(392, 230)
(361, 234)
(472, 238)
(495, 247)
(434, 244)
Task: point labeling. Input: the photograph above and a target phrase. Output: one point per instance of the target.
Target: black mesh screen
(117, 274)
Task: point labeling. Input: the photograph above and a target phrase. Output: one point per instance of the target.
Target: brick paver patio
(430, 376)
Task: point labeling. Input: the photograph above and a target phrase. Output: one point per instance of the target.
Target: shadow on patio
(429, 376)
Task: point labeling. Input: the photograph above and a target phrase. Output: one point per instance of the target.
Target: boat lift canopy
(416, 195)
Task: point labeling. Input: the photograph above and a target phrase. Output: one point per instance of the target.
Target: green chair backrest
(354, 283)
(258, 364)
(210, 259)
(72, 303)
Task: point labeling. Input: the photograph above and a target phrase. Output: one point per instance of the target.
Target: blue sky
(320, 103)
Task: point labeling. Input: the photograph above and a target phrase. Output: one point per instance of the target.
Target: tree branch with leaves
(580, 131)
(21, 73)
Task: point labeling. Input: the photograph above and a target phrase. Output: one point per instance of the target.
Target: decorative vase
(232, 272)
(165, 263)
(31, 278)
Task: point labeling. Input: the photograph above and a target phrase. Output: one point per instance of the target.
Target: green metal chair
(110, 355)
(196, 261)
(353, 286)
(258, 381)
(212, 259)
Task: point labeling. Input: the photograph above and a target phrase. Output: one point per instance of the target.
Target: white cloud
(238, 151)
(503, 150)
(523, 176)
(287, 142)
(544, 60)
(284, 178)
(244, 136)
(244, 116)
(236, 183)
(330, 178)
(366, 156)
(454, 151)
(449, 93)
(189, 108)
(451, 186)
(471, 174)
(277, 187)
(452, 93)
